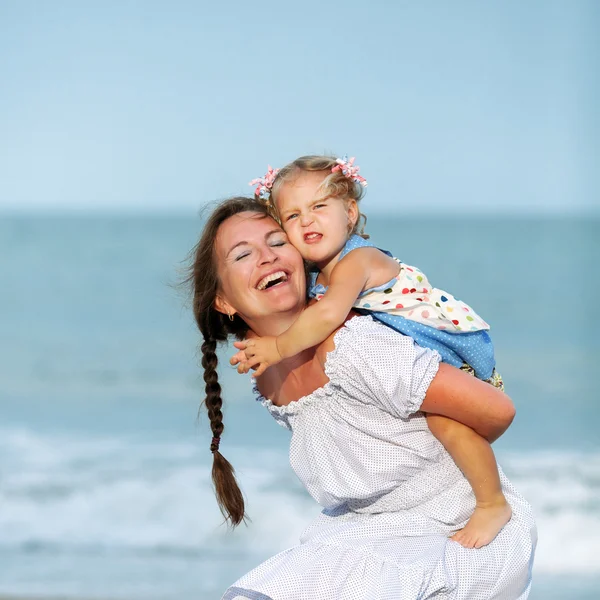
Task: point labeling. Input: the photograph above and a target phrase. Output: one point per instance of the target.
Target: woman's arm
(460, 396)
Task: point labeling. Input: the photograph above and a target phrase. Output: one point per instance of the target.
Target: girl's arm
(460, 396)
(348, 279)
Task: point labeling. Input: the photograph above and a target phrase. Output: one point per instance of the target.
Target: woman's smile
(261, 273)
(277, 278)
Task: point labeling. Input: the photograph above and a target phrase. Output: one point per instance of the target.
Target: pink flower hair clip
(265, 183)
(346, 166)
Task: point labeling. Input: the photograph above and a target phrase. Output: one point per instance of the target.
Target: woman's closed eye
(273, 244)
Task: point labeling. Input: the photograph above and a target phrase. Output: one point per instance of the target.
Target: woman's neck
(272, 325)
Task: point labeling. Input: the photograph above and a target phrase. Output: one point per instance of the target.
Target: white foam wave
(65, 492)
(120, 495)
(564, 491)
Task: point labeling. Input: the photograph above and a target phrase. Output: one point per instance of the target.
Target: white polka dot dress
(391, 493)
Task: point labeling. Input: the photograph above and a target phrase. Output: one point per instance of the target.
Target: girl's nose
(305, 220)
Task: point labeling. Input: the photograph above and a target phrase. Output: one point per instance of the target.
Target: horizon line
(179, 213)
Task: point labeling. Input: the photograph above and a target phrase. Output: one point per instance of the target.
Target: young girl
(315, 198)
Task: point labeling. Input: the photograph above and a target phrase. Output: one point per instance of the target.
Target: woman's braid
(213, 400)
(216, 327)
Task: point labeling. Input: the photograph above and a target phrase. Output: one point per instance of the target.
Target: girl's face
(260, 273)
(317, 226)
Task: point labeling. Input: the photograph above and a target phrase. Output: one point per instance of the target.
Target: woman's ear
(221, 305)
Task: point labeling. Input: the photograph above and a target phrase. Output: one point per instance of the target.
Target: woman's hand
(259, 353)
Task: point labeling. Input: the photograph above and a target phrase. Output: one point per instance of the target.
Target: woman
(360, 444)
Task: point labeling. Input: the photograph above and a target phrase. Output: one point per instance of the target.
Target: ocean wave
(70, 493)
(118, 495)
(564, 491)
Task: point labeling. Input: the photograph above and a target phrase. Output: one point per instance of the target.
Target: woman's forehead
(249, 222)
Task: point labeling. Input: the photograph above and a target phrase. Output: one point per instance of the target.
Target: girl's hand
(240, 359)
(260, 353)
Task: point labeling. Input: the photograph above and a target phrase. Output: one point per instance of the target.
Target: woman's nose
(267, 255)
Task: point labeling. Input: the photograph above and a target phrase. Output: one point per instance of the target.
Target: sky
(451, 108)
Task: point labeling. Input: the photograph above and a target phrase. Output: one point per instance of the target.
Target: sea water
(104, 462)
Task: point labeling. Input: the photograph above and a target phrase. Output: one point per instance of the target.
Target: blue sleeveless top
(472, 347)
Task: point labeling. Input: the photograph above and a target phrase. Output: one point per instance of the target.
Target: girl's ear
(352, 212)
(221, 305)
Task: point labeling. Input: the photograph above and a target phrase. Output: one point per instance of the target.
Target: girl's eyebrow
(319, 199)
(288, 210)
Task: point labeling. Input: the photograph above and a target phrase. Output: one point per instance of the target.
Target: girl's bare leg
(474, 457)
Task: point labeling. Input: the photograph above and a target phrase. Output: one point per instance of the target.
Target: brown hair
(217, 327)
(335, 185)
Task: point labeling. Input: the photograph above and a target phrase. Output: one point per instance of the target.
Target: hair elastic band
(346, 166)
(265, 183)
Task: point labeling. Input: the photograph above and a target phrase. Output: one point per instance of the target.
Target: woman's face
(261, 275)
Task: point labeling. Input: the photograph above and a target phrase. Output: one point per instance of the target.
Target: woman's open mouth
(272, 280)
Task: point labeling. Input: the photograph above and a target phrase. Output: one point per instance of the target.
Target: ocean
(105, 486)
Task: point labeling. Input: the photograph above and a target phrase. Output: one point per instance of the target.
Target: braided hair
(216, 327)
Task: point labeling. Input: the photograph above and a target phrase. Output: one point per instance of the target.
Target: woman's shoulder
(363, 329)
(327, 346)
(381, 366)
(285, 383)
(361, 344)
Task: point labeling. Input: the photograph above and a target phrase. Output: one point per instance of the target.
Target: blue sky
(452, 108)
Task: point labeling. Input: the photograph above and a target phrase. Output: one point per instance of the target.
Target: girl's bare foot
(484, 525)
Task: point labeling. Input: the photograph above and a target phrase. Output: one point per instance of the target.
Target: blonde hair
(335, 185)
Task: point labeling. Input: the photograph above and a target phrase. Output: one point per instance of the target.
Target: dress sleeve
(378, 365)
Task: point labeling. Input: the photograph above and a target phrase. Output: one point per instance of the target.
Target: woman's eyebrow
(272, 232)
(236, 246)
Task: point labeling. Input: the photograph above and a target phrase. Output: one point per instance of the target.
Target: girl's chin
(313, 256)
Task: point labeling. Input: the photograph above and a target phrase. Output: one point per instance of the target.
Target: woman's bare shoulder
(300, 375)
(293, 378)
